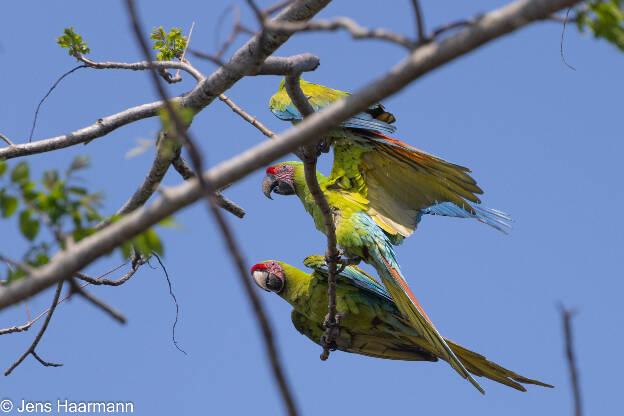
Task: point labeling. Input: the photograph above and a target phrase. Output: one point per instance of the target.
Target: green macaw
(372, 324)
(378, 190)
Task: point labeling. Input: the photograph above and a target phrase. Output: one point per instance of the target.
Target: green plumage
(371, 323)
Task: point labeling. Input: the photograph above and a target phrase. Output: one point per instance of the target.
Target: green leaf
(79, 162)
(153, 241)
(15, 274)
(50, 178)
(28, 226)
(20, 173)
(8, 204)
(3, 167)
(126, 249)
(73, 41)
(170, 222)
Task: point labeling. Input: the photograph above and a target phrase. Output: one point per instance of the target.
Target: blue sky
(542, 140)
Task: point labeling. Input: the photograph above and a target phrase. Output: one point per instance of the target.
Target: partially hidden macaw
(372, 324)
(378, 190)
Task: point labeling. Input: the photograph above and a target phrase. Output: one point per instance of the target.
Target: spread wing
(374, 119)
(401, 183)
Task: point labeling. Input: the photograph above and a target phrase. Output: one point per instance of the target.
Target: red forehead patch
(271, 170)
(258, 266)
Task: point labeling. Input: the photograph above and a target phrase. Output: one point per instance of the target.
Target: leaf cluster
(73, 41)
(169, 45)
(605, 19)
(58, 203)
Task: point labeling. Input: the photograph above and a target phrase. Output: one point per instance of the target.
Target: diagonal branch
(566, 315)
(207, 189)
(115, 314)
(163, 157)
(31, 349)
(332, 255)
(356, 31)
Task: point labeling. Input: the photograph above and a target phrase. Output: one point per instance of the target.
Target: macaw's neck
(304, 194)
(297, 286)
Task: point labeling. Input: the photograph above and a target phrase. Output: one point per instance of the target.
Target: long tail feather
(411, 309)
(478, 365)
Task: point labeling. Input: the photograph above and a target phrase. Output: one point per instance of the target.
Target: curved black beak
(268, 184)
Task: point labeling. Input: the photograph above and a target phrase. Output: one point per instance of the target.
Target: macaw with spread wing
(378, 190)
(372, 324)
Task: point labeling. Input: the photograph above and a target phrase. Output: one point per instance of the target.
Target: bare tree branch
(247, 59)
(6, 139)
(420, 25)
(136, 263)
(116, 315)
(565, 20)
(420, 62)
(187, 173)
(278, 65)
(207, 189)
(356, 31)
(276, 7)
(566, 315)
(332, 255)
(163, 157)
(34, 123)
(144, 65)
(252, 120)
(31, 349)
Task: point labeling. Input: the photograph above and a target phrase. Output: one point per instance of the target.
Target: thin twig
(163, 157)
(207, 191)
(32, 129)
(293, 89)
(566, 315)
(31, 349)
(188, 40)
(565, 20)
(115, 314)
(136, 263)
(6, 139)
(252, 120)
(90, 280)
(356, 31)
(420, 26)
(187, 173)
(175, 301)
(276, 7)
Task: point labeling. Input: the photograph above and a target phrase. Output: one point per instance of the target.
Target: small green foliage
(605, 19)
(20, 173)
(79, 162)
(28, 226)
(73, 41)
(8, 204)
(169, 45)
(168, 124)
(63, 207)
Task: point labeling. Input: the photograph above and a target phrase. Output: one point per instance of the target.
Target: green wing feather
(398, 180)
